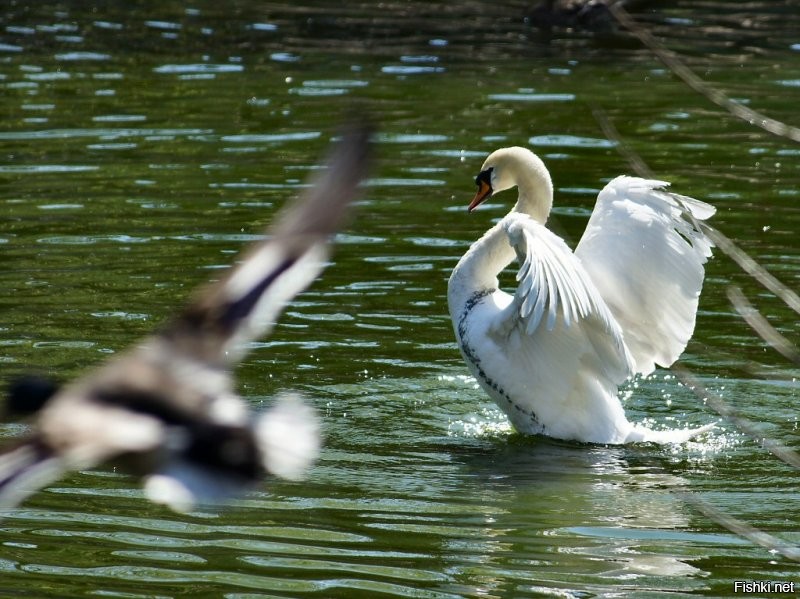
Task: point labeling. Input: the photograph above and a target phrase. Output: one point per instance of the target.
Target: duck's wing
(176, 384)
(244, 305)
(644, 248)
(554, 290)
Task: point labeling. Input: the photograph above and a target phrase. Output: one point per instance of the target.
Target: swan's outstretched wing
(552, 283)
(562, 348)
(644, 249)
(244, 305)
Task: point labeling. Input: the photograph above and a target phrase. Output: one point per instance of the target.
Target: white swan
(579, 324)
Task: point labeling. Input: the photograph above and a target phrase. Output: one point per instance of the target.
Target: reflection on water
(142, 147)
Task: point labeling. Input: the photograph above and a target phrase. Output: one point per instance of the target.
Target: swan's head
(511, 167)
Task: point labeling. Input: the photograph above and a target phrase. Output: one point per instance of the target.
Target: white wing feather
(551, 280)
(551, 355)
(644, 249)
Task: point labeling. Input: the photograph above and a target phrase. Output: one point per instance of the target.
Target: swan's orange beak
(484, 191)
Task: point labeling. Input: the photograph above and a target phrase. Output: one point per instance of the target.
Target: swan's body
(579, 324)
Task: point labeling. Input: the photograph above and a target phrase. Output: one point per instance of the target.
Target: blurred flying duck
(166, 409)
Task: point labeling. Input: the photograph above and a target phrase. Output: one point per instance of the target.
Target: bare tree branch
(674, 64)
(612, 134)
(761, 326)
(741, 528)
(754, 269)
(720, 406)
(752, 317)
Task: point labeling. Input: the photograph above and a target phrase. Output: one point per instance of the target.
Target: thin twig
(671, 60)
(674, 64)
(754, 269)
(716, 403)
(727, 246)
(753, 368)
(761, 326)
(741, 528)
(612, 134)
(720, 406)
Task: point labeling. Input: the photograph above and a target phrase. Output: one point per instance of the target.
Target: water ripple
(404, 69)
(263, 27)
(92, 239)
(119, 118)
(335, 83)
(74, 56)
(104, 133)
(318, 91)
(570, 141)
(410, 138)
(272, 137)
(165, 556)
(378, 571)
(284, 57)
(37, 169)
(199, 68)
(404, 182)
(532, 97)
(164, 575)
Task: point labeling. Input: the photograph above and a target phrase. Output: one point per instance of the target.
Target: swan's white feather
(550, 278)
(645, 250)
(567, 346)
(553, 355)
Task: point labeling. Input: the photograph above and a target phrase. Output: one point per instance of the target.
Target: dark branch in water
(716, 403)
(760, 325)
(755, 270)
(674, 64)
(783, 453)
(635, 161)
(741, 528)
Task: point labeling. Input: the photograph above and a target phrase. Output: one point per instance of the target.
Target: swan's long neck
(478, 268)
(534, 185)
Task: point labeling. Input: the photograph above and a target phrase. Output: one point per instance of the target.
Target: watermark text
(762, 586)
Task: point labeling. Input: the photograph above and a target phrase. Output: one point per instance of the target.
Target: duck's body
(167, 409)
(553, 354)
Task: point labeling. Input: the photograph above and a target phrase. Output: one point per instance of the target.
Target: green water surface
(143, 144)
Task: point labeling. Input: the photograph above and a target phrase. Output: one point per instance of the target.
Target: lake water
(143, 144)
